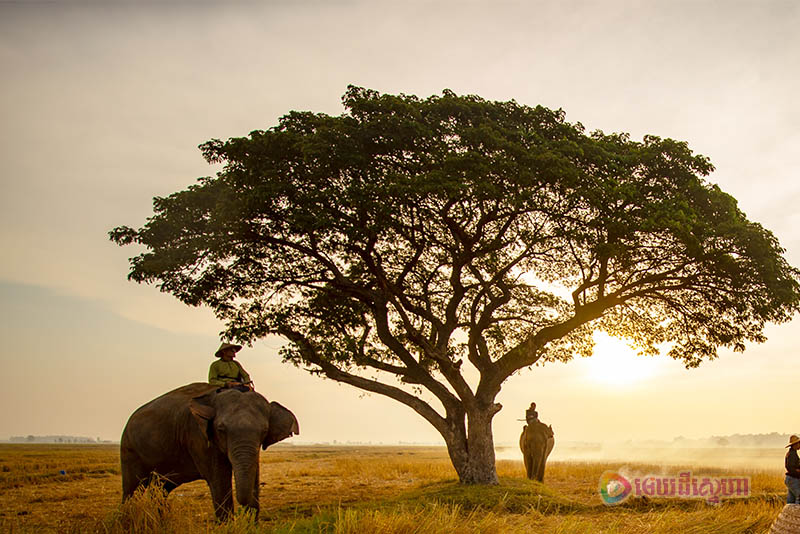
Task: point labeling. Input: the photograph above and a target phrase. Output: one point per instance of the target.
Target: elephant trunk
(244, 461)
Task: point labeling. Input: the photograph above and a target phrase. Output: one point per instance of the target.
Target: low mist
(759, 458)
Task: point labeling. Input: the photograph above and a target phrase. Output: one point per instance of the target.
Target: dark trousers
(793, 485)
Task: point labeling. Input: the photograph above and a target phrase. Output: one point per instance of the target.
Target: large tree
(400, 244)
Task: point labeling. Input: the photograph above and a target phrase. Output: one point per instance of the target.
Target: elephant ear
(203, 413)
(282, 424)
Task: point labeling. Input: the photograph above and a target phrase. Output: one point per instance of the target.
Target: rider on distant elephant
(227, 373)
(531, 415)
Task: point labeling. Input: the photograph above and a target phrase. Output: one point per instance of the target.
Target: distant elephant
(537, 441)
(201, 432)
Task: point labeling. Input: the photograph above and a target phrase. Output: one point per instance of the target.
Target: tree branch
(311, 355)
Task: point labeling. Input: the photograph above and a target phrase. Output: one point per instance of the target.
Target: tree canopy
(395, 242)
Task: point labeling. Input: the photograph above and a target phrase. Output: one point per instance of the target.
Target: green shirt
(221, 372)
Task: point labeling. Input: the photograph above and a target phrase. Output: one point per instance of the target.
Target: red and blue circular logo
(614, 488)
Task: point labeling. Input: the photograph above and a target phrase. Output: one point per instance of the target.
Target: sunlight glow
(615, 363)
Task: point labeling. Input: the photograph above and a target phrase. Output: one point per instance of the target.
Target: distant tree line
(55, 439)
(773, 439)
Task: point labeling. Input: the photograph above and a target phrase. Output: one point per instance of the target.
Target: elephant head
(238, 423)
(536, 442)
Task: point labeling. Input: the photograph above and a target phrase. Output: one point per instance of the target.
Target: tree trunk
(473, 455)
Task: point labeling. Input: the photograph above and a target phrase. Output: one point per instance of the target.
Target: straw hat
(236, 348)
(792, 441)
(788, 522)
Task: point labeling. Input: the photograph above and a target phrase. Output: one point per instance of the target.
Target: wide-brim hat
(794, 440)
(224, 346)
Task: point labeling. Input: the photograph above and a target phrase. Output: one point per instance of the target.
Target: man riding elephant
(200, 431)
(531, 415)
(536, 442)
(228, 373)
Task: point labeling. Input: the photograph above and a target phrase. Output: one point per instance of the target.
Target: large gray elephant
(201, 432)
(537, 441)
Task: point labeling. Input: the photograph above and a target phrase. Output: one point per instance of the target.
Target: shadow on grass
(511, 496)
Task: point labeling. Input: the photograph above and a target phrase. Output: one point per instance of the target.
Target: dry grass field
(346, 490)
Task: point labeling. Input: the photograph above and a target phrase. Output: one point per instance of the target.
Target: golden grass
(353, 490)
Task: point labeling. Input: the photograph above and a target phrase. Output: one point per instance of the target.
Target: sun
(615, 363)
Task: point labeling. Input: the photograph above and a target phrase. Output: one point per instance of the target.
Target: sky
(103, 105)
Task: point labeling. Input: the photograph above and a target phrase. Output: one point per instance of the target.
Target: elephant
(201, 432)
(537, 441)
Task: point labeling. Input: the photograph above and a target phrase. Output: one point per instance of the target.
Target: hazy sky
(102, 106)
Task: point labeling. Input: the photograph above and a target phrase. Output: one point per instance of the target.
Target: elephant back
(182, 394)
(189, 391)
(170, 410)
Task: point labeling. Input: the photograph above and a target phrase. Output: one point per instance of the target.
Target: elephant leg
(257, 485)
(524, 446)
(540, 469)
(548, 447)
(219, 483)
(134, 474)
(529, 465)
(535, 463)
